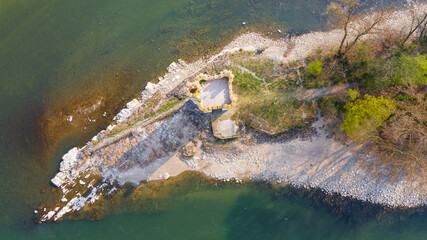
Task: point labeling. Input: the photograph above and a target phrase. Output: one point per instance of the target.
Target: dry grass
(400, 145)
(402, 142)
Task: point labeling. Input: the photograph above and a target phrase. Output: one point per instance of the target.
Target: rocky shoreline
(141, 146)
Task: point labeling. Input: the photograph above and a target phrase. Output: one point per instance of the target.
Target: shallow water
(235, 212)
(56, 55)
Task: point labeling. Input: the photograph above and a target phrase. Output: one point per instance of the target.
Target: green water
(53, 52)
(232, 213)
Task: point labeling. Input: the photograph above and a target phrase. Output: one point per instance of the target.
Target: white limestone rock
(69, 160)
(126, 112)
(150, 88)
(59, 179)
(50, 214)
(110, 127)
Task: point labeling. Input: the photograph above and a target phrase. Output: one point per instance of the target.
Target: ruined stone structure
(212, 92)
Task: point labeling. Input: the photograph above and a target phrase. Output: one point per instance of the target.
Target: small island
(343, 114)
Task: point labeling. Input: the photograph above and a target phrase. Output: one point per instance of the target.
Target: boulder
(151, 88)
(224, 129)
(189, 151)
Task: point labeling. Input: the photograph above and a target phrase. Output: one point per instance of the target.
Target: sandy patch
(215, 93)
(173, 167)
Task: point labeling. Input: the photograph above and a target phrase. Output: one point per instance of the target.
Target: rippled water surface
(61, 58)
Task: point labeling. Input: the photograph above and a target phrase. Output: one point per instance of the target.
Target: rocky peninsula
(162, 133)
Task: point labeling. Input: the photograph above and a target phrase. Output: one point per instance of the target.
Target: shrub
(404, 70)
(364, 116)
(315, 68)
(410, 70)
(401, 145)
(352, 94)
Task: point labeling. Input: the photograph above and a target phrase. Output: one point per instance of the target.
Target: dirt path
(312, 94)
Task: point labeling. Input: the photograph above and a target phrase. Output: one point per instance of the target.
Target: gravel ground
(318, 161)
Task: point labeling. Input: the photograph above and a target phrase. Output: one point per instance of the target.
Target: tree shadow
(289, 212)
(162, 144)
(258, 215)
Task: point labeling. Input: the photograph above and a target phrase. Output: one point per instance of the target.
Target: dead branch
(366, 26)
(345, 15)
(343, 12)
(421, 24)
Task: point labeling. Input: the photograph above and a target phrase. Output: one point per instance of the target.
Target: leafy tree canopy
(366, 115)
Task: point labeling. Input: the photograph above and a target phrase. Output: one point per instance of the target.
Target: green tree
(410, 70)
(403, 70)
(364, 116)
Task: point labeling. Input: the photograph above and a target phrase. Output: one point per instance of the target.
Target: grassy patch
(293, 64)
(276, 113)
(262, 68)
(246, 83)
(134, 122)
(172, 102)
(269, 106)
(117, 131)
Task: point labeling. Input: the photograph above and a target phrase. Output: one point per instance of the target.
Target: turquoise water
(56, 54)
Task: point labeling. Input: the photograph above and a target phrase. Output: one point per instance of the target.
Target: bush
(401, 145)
(410, 70)
(352, 94)
(364, 116)
(315, 68)
(403, 70)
